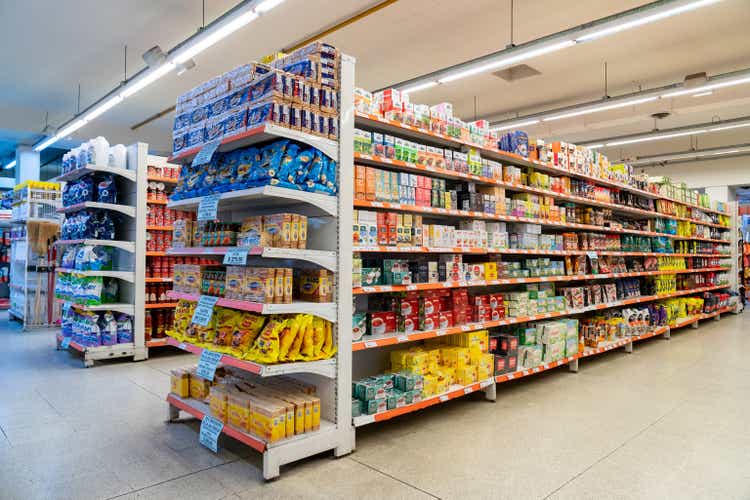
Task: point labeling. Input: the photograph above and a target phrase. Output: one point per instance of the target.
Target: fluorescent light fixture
(147, 79)
(515, 125)
(215, 36)
(596, 146)
(658, 137)
(10, 165)
(508, 60)
(267, 5)
(46, 143)
(418, 86)
(692, 155)
(65, 132)
(644, 20)
(703, 94)
(729, 127)
(605, 107)
(102, 108)
(710, 86)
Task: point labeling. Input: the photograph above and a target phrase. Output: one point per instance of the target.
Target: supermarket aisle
(654, 424)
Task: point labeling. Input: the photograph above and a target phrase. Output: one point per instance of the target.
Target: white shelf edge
(123, 275)
(123, 209)
(324, 258)
(324, 202)
(128, 246)
(80, 172)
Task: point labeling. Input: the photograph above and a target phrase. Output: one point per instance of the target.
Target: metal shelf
(94, 353)
(88, 169)
(264, 197)
(123, 275)
(128, 309)
(123, 209)
(325, 367)
(325, 310)
(264, 133)
(128, 246)
(323, 258)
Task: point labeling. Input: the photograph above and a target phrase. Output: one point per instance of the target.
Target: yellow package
(319, 336)
(266, 347)
(482, 372)
(199, 387)
(288, 336)
(245, 331)
(180, 383)
(218, 402)
(226, 323)
(306, 352)
(329, 349)
(294, 350)
(268, 420)
(466, 375)
(239, 410)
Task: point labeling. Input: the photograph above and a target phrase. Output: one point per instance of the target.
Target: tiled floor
(669, 421)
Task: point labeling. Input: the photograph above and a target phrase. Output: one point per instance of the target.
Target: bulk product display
(268, 409)
(103, 250)
(547, 250)
(270, 257)
(35, 225)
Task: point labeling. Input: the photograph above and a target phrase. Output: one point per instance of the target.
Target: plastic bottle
(118, 156)
(97, 151)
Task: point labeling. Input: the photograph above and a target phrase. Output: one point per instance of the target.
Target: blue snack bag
(106, 189)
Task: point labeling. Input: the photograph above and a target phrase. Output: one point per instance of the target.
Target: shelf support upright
(138, 153)
(573, 366)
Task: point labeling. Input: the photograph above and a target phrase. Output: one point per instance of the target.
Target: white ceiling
(61, 44)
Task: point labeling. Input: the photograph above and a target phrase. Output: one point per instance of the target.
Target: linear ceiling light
(606, 26)
(234, 19)
(10, 165)
(596, 109)
(609, 103)
(515, 125)
(645, 20)
(658, 135)
(711, 86)
(739, 149)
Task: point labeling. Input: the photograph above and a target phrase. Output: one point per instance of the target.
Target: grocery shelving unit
(371, 351)
(157, 312)
(31, 272)
(5, 239)
(128, 255)
(332, 244)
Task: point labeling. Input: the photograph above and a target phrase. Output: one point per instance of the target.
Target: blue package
(196, 136)
(106, 189)
(179, 143)
(218, 106)
(234, 123)
(199, 115)
(214, 130)
(181, 121)
(225, 173)
(237, 99)
(259, 115)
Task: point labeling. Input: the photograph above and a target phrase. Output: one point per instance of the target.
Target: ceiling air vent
(515, 73)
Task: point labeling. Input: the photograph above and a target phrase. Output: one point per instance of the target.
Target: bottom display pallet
(489, 385)
(91, 354)
(275, 454)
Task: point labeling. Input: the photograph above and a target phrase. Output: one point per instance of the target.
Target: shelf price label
(206, 153)
(209, 435)
(204, 310)
(207, 364)
(208, 208)
(236, 256)
(592, 255)
(65, 342)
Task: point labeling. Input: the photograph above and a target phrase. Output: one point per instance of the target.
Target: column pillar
(27, 164)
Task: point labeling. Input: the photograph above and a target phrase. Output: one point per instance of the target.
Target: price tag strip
(236, 256)
(204, 310)
(210, 430)
(207, 364)
(206, 153)
(208, 208)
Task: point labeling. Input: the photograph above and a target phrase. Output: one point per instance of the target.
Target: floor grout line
(183, 476)
(394, 478)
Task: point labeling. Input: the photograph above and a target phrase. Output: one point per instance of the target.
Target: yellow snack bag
(245, 331)
(294, 351)
(266, 347)
(288, 336)
(319, 336)
(328, 348)
(307, 350)
(226, 320)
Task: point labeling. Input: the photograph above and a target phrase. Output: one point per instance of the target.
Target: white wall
(710, 173)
